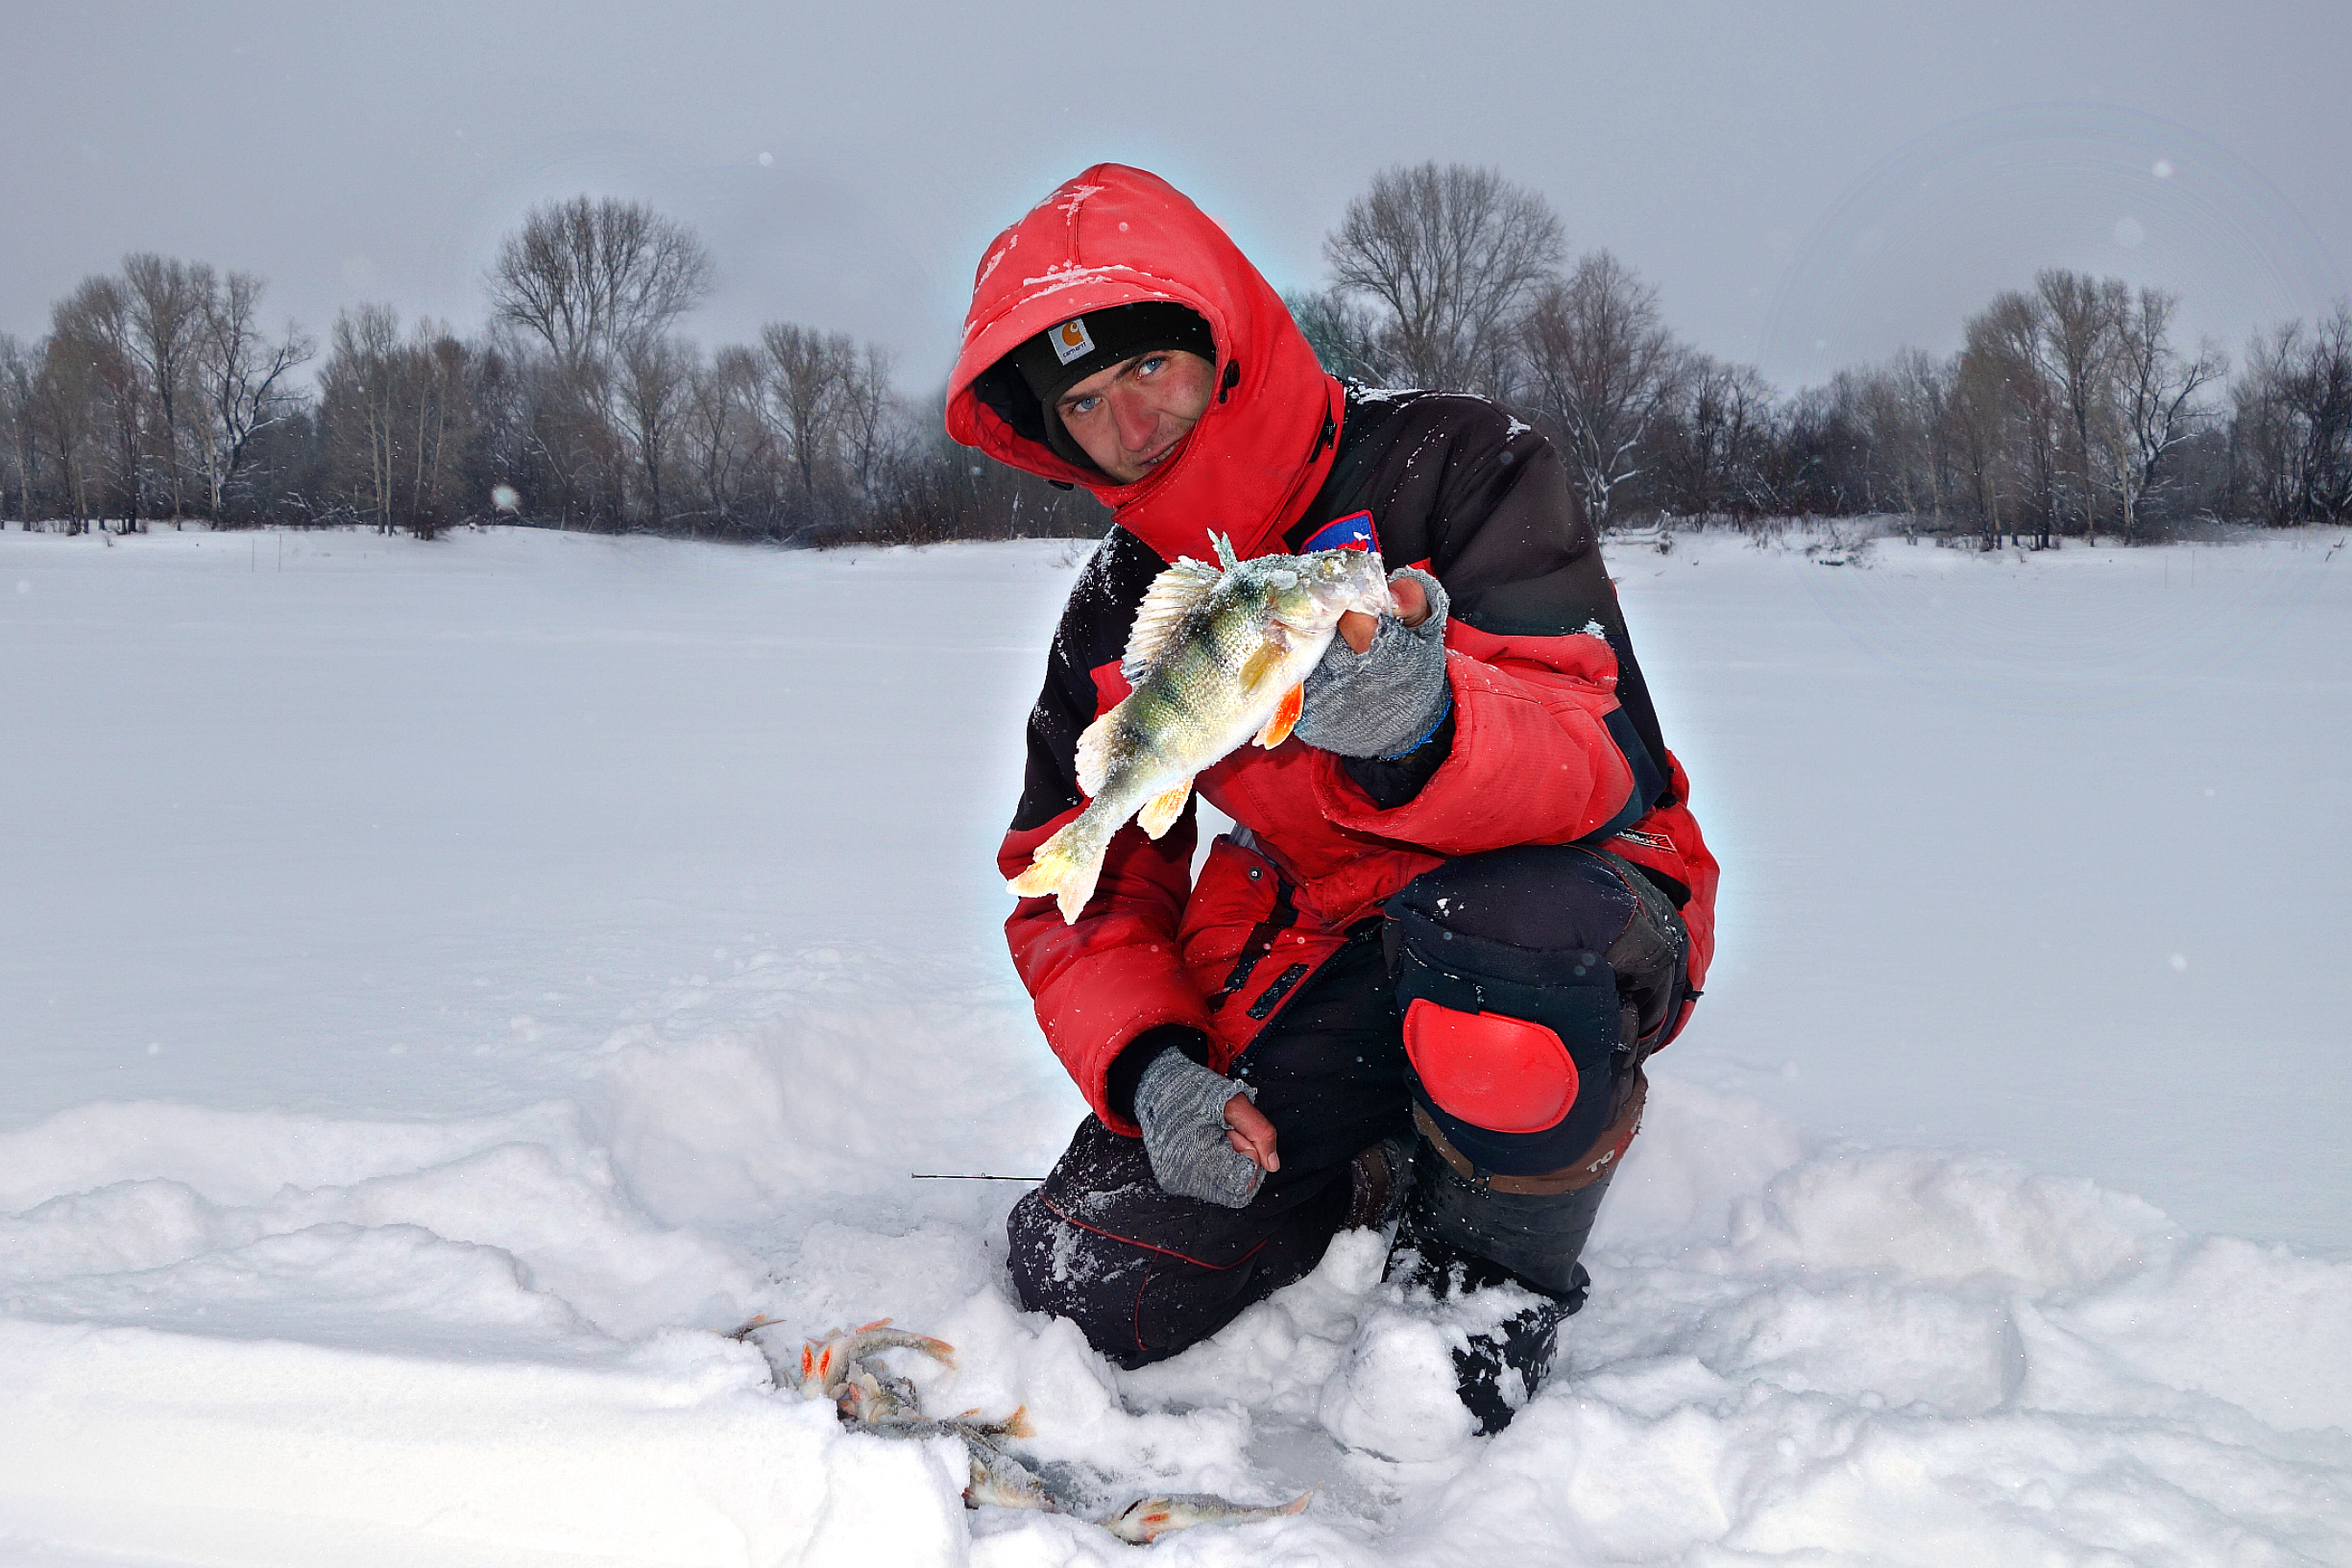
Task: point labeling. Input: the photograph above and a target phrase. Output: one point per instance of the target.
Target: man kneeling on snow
(1416, 984)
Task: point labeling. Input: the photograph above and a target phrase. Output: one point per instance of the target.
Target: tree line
(2069, 409)
(158, 396)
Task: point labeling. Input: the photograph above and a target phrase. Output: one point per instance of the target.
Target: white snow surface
(446, 982)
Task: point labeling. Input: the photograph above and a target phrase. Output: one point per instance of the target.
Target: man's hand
(1250, 1134)
(1204, 1139)
(1380, 687)
(1356, 628)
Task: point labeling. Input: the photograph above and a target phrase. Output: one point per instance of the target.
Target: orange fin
(1285, 718)
(1160, 810)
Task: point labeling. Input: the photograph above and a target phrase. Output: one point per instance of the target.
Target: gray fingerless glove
(1180, 1105)
(1386, 700)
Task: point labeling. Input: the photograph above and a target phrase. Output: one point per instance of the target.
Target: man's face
(1132, 416)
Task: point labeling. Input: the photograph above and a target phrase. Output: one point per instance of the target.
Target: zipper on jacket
(1260, 942)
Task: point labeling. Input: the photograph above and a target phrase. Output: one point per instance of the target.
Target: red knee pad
(1502, 1073)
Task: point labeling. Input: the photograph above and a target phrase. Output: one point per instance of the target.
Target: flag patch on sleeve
(1354, 532)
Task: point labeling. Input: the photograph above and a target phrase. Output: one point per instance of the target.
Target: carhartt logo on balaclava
(1071, 340)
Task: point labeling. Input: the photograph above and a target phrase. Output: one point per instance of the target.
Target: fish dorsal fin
(1174, 594)
(1226, 557)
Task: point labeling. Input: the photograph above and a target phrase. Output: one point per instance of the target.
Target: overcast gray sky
(1807, 186)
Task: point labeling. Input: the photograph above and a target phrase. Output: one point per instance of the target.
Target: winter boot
(1379, 1179)
(1506, 1351)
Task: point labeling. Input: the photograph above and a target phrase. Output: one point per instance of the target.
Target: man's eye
(1152, 364)
(1084, 405)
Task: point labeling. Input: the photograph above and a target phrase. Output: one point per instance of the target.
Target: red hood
(1115, 235)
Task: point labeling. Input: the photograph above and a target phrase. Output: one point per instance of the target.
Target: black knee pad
(1530, 979)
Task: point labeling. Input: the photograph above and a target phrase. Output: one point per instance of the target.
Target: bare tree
(1602, 368)
(359, 395)
(1453, 254)
(242, 379)
(1884, 446)
(65, 412)
(869, 419)
(2156, 408)
(1976, 426)
(2293, 421)
(653, 392)
(2080, 320)
(2006, 377)
(397, 414)
(440, 416)
(722, 432)
(1345, 332)
(1890, 451)
(91, 334)
(167, 300)
(588, 275)
(19, 450)
(807, 376)
(1715, 438)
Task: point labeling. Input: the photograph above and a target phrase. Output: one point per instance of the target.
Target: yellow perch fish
(828, 1365)
(1147, 1518)
(1217, 655)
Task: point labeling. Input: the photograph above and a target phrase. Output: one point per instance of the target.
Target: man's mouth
(1166, 451)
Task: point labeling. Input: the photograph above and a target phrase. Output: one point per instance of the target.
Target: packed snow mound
(126, 1443)
(607, 1006)
(1869, 1357)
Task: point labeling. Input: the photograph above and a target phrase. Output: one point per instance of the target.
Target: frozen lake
(441, 982)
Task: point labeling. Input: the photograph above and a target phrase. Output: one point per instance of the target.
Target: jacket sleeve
(1553, 738)
(1115, 974)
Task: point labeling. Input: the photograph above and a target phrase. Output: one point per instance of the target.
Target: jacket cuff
(1517, 771)
(1126, 1068)
(1392, 781)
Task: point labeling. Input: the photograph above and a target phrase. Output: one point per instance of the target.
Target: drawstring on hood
(1115, 236)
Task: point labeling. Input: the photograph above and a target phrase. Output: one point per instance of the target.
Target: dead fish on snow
(1001, 1482)
(826, 1365)
(1147, 1518)
(902, 1413)
(870, 1394)
(1217, 655)
(843, 1368)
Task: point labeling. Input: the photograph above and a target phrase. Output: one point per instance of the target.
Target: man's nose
(1137, 422)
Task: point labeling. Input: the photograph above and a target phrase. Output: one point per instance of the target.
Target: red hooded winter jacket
(1533, 757)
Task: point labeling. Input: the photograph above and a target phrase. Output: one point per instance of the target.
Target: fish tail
(939, 1350)
(1067, 866)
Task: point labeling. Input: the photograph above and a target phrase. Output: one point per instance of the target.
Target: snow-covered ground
(442, 983)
